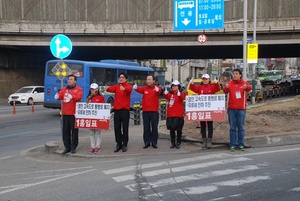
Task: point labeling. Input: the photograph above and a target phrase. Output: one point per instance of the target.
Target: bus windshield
(104, 73)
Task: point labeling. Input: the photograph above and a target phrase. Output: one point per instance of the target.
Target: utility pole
(245, 42)
(254, 65)
(179, 70)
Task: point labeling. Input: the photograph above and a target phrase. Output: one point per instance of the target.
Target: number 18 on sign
(205, 107)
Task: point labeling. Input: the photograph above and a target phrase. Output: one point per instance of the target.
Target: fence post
(137, 113)
(14, 107)
(32, 106)
(163, 104)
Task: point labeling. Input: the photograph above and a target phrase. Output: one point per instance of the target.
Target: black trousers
(203, 128)
(150, 124)
(121, 123)
(179, 135)
(70, 133)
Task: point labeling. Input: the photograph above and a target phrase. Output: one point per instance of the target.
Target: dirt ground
(271, 117)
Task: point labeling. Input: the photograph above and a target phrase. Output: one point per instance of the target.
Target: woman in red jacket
(95, 97)
(175, 113)
(206, 88)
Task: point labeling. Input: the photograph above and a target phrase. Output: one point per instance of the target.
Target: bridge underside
(156, 52)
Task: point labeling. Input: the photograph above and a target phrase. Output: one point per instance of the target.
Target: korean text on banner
(205, 108)
(92, 115)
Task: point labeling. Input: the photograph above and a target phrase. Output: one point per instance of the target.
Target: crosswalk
(191, 178)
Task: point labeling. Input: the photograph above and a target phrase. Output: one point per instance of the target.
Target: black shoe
(118, 148)
(124, 148)
(154, 146)
(66, 151)
(172, 146)
(146, 146)
(73, 151)
(178, 146)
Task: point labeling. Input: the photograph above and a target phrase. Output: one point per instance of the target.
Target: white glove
(192, 81)
(134, 86)
(56, 96)
(178, 93)
(166, 92)
(156, 89)
(69, 96)
(216, 80)
(67, 100)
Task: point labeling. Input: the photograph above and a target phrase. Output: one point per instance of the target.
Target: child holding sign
(95, 97)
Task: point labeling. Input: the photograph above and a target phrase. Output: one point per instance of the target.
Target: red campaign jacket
(70, 107)
(122, 98)
(150, 101)
(177, 109)
(98, 99)
(205, 88)
(237, 86)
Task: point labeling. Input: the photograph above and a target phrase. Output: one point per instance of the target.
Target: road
(28, 173)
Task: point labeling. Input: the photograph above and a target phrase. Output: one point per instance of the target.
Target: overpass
(139, 29)
(159, 43)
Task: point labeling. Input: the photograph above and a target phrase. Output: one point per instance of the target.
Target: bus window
(138, 77)
(103, 76)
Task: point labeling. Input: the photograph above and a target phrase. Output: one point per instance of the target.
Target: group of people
(236, 89)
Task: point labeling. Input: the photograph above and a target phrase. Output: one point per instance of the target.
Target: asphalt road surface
(29, 173)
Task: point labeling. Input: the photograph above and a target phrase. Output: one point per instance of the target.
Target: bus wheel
(29, 102)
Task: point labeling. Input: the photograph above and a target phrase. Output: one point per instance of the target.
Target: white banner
(211, 102)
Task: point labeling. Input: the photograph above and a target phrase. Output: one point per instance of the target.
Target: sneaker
(242, 148)
(96, 150)
(232, 148)
(91, 150)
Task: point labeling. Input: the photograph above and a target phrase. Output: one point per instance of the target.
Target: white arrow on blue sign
(61, 46)
(198, 14)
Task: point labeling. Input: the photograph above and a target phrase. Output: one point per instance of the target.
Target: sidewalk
(135, 145)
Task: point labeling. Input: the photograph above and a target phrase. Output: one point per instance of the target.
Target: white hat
(205, 76)
(94, 86)
(175, 82)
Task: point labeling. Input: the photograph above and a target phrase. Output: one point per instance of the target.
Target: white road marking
(297, 189)
(172, 162)
(6, 157)
(45, 171)
(222, 198)
(270, 152)
(191, 177)
(210, 188)
(22, 186)
(179, 169)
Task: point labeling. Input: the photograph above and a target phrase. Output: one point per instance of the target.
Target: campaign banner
(205, 107)
(92, 115)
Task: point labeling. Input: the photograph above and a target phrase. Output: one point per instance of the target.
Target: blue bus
(104, 72)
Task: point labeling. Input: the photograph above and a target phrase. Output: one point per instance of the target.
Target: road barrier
(14, 107)
(32, 106)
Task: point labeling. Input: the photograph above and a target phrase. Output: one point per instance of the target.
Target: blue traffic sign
(61, 46)
(198, 14)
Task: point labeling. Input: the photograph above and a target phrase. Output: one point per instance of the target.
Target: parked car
(27, 95)
(294, 76)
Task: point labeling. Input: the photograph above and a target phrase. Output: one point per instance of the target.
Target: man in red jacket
(150, 104)
(69, 95)
(122, 92)
(237, 90)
